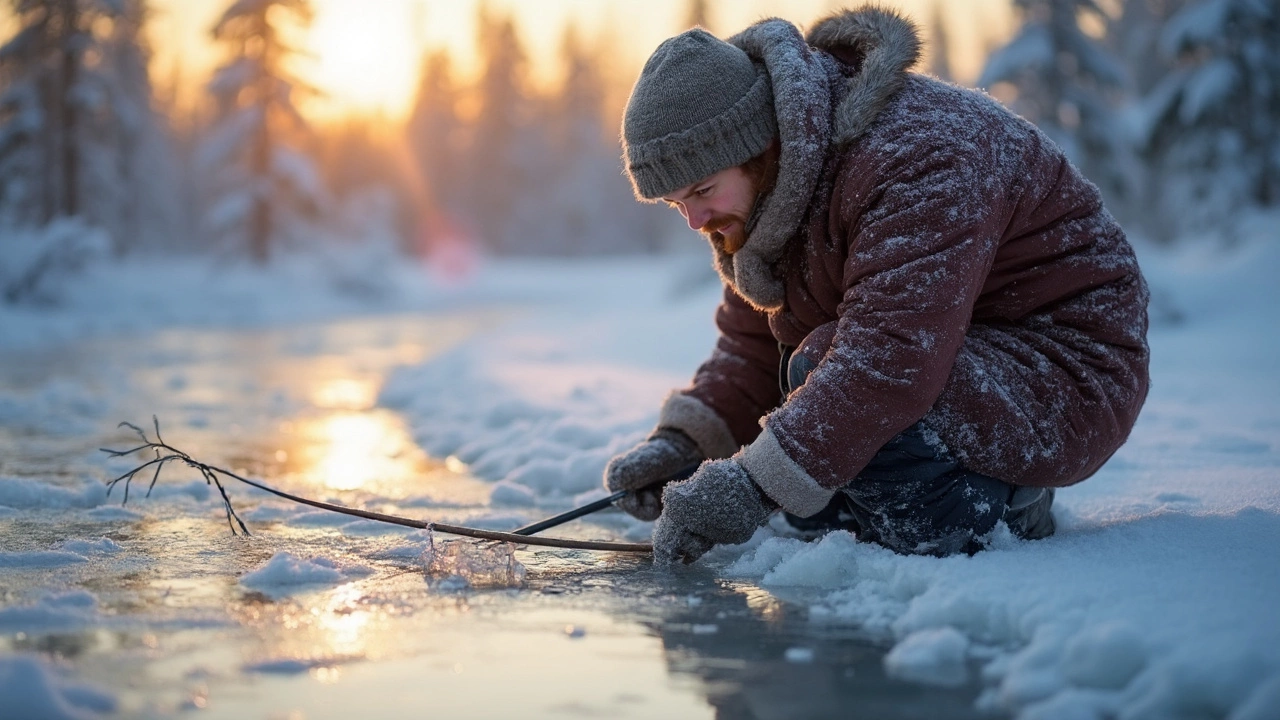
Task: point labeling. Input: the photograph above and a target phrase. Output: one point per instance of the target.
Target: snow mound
(285, 573)
(89, 548)
(32, 689)
(26, 494)
(57, 612)
(39, 559)
(933, 657)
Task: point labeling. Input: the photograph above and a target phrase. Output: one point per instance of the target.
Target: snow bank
(58, 407)
(541, 404)
(25, 494)
(33, 689)
(286, 573)
(55, 612)
(1155, 599)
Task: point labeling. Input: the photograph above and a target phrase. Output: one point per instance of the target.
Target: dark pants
(914, 498)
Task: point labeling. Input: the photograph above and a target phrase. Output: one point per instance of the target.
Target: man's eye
(703, 192)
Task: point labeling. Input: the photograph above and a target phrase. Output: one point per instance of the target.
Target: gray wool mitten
(646, 468)
(719, 505)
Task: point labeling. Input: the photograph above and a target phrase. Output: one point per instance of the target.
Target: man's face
(718, 206)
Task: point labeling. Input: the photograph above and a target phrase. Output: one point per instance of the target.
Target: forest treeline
(1171, 106)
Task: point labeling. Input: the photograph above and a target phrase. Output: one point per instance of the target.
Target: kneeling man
(929, 319)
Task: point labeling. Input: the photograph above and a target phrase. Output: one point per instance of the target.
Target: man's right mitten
(645, 469)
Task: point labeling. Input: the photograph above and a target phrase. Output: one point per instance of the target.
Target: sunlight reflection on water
(353, 450)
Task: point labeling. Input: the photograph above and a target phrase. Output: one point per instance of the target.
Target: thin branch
(165, 453)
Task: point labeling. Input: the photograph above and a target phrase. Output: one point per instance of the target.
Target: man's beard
(762, 172)
(728, 242)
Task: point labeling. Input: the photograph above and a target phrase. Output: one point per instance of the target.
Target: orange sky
(365, 54)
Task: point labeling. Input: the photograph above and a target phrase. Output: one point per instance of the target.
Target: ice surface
(480, 564)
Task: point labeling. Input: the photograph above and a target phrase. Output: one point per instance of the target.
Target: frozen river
(144, 610)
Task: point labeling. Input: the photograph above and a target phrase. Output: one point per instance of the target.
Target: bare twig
(165, 454)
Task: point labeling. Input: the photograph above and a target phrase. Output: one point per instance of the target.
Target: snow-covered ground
(1156, 599)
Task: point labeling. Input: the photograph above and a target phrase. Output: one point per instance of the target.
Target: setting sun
(365, 61)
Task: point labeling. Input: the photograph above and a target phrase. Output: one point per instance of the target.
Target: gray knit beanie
(700, 106)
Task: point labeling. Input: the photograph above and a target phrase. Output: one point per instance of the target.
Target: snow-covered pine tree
(263, 190)
(500, 146)
(939, 46)
(697, 14)
(78, 136)
(148, 212)
(73, 85)
(1069, 85)
(1210, 128)
(435, 133)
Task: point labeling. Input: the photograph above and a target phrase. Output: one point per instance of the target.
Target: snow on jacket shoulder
(946, 263)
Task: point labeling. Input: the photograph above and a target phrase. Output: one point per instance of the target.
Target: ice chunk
(291, 665)
(934, 657)
(798, 655)
(468, 563)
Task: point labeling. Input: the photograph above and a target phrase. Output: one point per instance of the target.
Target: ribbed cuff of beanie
(663, 165)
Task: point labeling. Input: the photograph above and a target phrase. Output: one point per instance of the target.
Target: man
(929, 320)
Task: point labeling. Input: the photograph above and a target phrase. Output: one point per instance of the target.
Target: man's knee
(914, 498)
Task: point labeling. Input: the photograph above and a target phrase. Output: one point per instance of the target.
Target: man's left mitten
(718, 505)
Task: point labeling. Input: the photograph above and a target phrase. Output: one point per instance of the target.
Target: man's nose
(696, 216)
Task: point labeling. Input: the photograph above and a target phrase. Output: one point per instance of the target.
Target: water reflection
(345, 393)
(356, 450)
(762, 658)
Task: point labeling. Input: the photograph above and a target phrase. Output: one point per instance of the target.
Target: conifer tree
(939, 46)
(1210, 128)
(52, 94)
(499, 149)
(264, 190)
(1070, 86)
(435, 133)
(697, 15)
(79, 136)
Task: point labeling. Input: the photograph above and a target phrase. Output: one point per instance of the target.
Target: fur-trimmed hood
(819, 108)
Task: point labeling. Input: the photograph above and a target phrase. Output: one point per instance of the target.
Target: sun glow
(364, 57)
